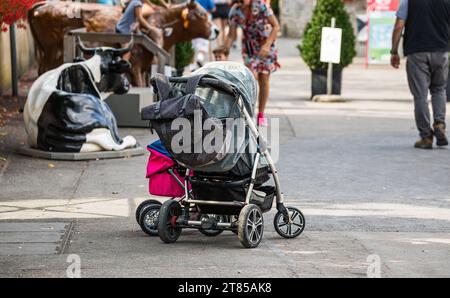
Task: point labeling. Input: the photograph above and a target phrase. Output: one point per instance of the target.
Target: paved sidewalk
(350, 167)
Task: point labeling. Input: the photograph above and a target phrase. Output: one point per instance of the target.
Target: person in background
(426, 45)
(221, 53)
(208, 5)
(133, 15)
(260, 28)
(148, 10)
(201, 45)
(220, 18)
(133, 18)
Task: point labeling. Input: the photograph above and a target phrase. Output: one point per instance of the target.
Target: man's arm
(402, 16)
(396, 36)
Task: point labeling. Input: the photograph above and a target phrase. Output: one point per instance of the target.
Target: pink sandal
(262, 120)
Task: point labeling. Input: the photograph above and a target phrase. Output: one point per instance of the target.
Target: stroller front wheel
(142, 205)
(289, 228)
(250, 226)
(168, 214)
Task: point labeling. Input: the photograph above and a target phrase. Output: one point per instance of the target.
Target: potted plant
(184, 53)
(275, 4)
(310, 47)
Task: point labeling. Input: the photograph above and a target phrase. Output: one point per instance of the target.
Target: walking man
(426, 45)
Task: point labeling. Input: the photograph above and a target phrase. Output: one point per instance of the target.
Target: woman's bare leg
(223, 30)
(264, 88)
(220, 38)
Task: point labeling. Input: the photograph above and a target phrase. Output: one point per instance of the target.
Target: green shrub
(310, 46)
(275, 7)
(184, 53)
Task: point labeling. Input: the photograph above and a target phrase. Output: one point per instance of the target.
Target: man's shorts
(222, 11)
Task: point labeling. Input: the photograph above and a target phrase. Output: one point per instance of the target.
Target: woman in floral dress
(260, 28)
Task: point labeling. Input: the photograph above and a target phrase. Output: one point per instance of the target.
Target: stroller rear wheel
(289, 228)
(167, 229)
(142, 205)
(148, 219)
(251, 226)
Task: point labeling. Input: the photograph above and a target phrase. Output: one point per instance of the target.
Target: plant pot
(179, 72)
(319, 82)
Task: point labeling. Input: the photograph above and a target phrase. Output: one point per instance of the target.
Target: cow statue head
(197, 22)
(112, 67)
(185, 22)
(65, 111)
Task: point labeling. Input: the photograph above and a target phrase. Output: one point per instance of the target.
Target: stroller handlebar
(205, 82)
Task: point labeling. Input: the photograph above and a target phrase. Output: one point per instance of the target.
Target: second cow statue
(65, 111)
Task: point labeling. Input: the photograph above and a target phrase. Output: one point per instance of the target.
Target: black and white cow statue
(65, 111)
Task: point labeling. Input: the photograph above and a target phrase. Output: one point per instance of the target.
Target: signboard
(381, 25)
(381, 20)
(382, 5)
(330, 50)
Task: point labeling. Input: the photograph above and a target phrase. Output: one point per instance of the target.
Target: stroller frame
(262, 150)
(175, 214)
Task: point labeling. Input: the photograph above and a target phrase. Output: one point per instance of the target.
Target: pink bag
(161, 183)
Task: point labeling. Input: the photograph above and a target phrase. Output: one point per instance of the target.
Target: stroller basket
(263, 197)
(227, 180)
(223, 188)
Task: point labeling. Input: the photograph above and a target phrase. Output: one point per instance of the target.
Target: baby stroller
(228, 186)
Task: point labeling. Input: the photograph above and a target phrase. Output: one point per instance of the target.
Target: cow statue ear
(84, 49)
(185, 18)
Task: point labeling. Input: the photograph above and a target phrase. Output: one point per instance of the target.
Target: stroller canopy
(240, 78)
(214, 90)
(236, 75)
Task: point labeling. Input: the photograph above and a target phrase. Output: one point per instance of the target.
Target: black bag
(173, 105)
